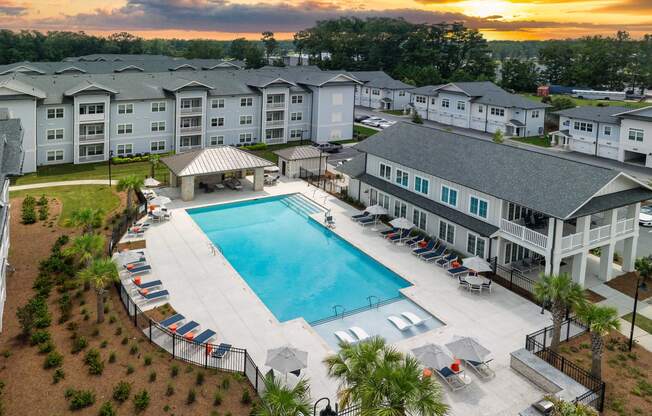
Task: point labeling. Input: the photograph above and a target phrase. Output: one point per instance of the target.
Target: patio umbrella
(160, 201)
(477, 264)
(286, 359)
(128, 256)
(402, 223)
(151, 182)
(467, 348)
(433, 356)
(272, 169)
(376, 210)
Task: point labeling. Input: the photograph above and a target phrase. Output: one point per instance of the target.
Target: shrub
(112, 357)
(34, 315)
(141, 401)
(217, 399)
(53, 360)
(46, 347)
(107, 410)
(148, 360)
(39, 337)
(28, 213)
(152, 376)
(174, 370)
(257, 146)
(65, 307)
(133, 350)
(80, 399)
(416, 118)
(226, 382)
(130, 369)
(124, 341)
(169, 391)
(79, 344)
(121, 392)
(58, 376)
(94, 362)
(43, 211)
(199, 380)
(96, 332)
(192, 396)
(104, 344)
(112, 320)
(246, 397)
(43, 285)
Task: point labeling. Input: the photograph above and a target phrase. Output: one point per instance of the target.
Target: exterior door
(283, 167)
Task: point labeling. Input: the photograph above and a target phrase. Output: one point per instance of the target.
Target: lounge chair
(399, 323)
(463, 283)
(153, 295)
(172, 320)
(451, 378)
(397, 238)
(359, 333)
(344, 337)
(434, 255)
(482, 368)
(134, 263)
(458, 271)
(446, 260)
(221, 351)
(414, 319)
(414, 241)
(360, 216)
(140, 269)
(429, 247)
(487, 286)
(391, 231)
(367, 221)
(330, 222)
(183, 330)
(233, 183)
(148, 285)
(204, 336)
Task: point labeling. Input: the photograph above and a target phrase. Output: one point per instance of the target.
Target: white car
(373, 121)
(645, 216)
(384, 124)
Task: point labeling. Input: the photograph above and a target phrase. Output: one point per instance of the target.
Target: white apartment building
(491, 200)
(482, 106)
(380, 91)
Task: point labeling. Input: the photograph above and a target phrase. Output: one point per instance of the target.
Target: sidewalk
(62, 183)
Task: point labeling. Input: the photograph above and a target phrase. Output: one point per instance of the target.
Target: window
(445, 103)
(475, 245)
(402, 177)
(375, 92)
(91, 109)
(54, 155)
(338, 99)
(86, 130)
(124, 149)
(481, 109)
(636, 135)
(295, 133)
(157, 146)
(246, 102)
(420, 99)
(274, 134)
(125, 128)
(55, 112)
(400, 209)
(419, 218)
(366, 90)
(190, 141)
(401, 93)
(607, 130)
(535, 114)
(298, 116)
(446, 232)
(449, 195)
(385, 171)
(158, 107)
(245, 120)
(421, 185)
(500, 112)
(55, 134)
(379, 198)
(158, 126)
(219, 121)
(433, 101)
(245, 137)
(478, 207)
(216, 140)
(297, 99)
(582, 126)
(461, 105)
(125, 108)
(217, 103)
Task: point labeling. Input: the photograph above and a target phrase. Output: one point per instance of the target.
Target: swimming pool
(296, 266)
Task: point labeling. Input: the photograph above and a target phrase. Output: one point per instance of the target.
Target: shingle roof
(354, 167)
(532, 179)
(213, 160)
(613, 200)
(380, 79)
(599, 114)
(644, 113)
(298, 152)
(11, 151)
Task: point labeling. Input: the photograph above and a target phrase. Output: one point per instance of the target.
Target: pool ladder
(370, 298)
(335, 310)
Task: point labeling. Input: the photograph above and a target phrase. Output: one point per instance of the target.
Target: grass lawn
(535, 140)
(268, 153)
(363, 132)
(394, 112)
(75, 197)
(641, 321)
(70, 172)
(585, 102)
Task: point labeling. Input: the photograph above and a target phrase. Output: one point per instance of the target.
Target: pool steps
(346, 313)
(301, 205)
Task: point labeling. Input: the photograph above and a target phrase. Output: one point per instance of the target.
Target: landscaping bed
(626, 283)
(628, 376)
(541, 141)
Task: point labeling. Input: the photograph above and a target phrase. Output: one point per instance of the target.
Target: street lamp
(326, 411)
(110, 157)
(643, 286)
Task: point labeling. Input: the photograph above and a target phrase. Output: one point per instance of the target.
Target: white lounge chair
(414, 319)
(399, 323)
(344, 337)
(359, 333)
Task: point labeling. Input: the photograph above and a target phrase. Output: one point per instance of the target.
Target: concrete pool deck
(204, 287)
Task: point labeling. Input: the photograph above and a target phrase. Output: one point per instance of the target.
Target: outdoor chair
(153, 295)
(204, 336)
(147, 285)
(421, 250)
(482, 368)
(344, 337)
(458, 271)
(414, 241)
(183, 330)
(135, 262)
(367, 221)
(363, 215)
(451, 378)
(359, 333)
(434, 255)
(172, 320)
(487, 286)
(139, 269)
(414, 319)
(397, 238)
(221, 351)
(391, 231)
(446, 260)
(462, 283)
(399, 323)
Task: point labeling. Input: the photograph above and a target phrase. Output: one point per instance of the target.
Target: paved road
(640, 172)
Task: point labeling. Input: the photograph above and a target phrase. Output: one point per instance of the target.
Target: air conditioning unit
(544, 406)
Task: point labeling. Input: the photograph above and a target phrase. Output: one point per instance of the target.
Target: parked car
(373, 121)
(645, 216)
(329, 147)
(384, 124)
(360, 118)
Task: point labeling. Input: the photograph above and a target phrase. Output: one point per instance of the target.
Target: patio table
(475, 282)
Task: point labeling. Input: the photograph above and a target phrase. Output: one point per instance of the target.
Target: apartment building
(492, 200)
(380, 91)
(482, 106)
(80, 118)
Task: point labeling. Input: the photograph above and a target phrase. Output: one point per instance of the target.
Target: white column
(187, 188)
(631, 243)
(258, 179)
(173, 180)
(606, 261)
(584, 226)
(556, 251)
(579, 268)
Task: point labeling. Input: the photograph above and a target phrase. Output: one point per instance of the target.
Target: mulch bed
(132, 245)
(593, 297)
(29, 388)
(626, 283)
(160, 312)
(628, 375)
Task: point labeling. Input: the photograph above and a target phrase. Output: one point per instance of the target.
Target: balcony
(85, 118)
(597, 235)
(524, 234)
(189, 147)
(271, 123)
(189, 129)
(191, 110)
(276, 105)
(92, 158)
(91, 137)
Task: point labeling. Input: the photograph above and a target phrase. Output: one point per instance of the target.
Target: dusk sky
(223, 19)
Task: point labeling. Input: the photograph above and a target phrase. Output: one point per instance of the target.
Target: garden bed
(626, 283)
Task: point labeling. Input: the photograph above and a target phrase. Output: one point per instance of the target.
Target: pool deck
(205, 288)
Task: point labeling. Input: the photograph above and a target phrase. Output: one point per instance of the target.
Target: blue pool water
(297, 267)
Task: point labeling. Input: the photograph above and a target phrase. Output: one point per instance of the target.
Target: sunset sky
(224, 19)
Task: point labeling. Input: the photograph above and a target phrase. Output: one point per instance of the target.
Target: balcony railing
(524, 233)
(625, 226)
(190, 129)
(91, 117)
(91, 137)
(190, 110)
(183, 148)
(277, 140)
(599, 233)
(92, 158)
(276, 105)
(572, 241)
(274, 122)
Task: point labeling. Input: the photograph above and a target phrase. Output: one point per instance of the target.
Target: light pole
(643, 286)
(110, 157)
(326, 411)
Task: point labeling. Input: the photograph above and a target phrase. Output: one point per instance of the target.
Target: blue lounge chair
(458, 271)
(414, 241)
(154, 295)
(221, 350)
(140, 269)
(429, 247)
(176, 318)
(434, 255)
(367, 221)
(397, 238)
(149, 285)
(451, 378)
(187, 328)
(446, 260)
(204, 336)
(357, 217)
(390, 231)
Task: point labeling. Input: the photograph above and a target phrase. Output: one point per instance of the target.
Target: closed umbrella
(128, 256)
(376, 210)
(467, 348)
(286, 359)
(477, 264)
(433, 356)
(271, 169)
(151, 183)
(160, 201)
(402, 223)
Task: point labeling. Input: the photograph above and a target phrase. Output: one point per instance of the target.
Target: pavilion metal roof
(213, 160)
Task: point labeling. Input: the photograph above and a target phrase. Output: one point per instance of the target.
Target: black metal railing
(126, 220)
(354, 410)
(539, 344)
(332, 185)
(514, 280)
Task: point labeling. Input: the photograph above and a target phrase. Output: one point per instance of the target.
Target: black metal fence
(513, 280)
(333, 184)
(539, 344)
(127, 219)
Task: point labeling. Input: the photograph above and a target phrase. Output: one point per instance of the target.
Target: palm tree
(281, 400)
(600, 320)
(154, 161)
(86, 248)
(130, 184)
(86, 218)
(563, 294)
(100, 273)
(383, 381)
(643, 266)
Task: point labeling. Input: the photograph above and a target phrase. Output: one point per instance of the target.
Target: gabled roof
(598, 114)
(185, 83)
(22, 67)
(128, 67)
(20, 87)
(87, 85)
(262, 81)
(299, 152)
(225, 64)
(536, 180)
(379, 79)
(183, 66)
(644, 113)
(11, 149)
(70, 69)
(213, 160)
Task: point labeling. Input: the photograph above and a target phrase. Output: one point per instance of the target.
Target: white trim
(47, 133)
(448, 224)
(124, 68)
(165, 145)
(47, 111)
(158, 130)
(63, 155)
(158, 104)
(117, 129)
(478, 214)
(475, 248)
(123, 145)
(441, 194)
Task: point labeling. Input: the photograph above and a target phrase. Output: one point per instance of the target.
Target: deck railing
(599, 233)
(524, 233)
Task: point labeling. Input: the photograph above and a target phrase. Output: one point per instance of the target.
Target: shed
(213, 165)
(292, 159)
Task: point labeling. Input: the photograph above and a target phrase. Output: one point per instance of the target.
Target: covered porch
(214, 169)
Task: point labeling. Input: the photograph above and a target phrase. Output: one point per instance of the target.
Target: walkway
(62, 183)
